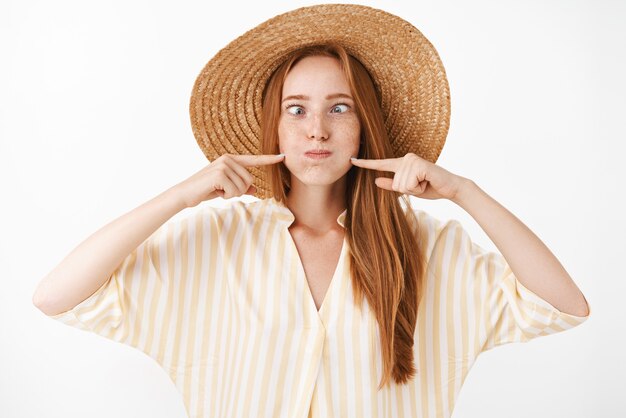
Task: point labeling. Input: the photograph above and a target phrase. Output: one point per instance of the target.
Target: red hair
(386, 260)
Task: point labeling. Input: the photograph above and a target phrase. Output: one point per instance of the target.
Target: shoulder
(435, 232)
(237, 212)
(433, 223)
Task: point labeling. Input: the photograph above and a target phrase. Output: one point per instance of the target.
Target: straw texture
(225, 105)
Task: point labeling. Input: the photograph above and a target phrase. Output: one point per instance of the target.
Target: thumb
(251, 190)
(384, 183)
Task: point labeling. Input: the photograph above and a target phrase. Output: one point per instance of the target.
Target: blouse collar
(283, 213)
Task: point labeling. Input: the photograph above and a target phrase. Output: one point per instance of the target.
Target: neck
(316, 207)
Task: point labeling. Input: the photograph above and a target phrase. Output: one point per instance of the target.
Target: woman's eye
(290, 107)
(341, 104)
(296, 109)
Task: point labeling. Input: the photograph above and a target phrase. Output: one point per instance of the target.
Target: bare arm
(91, 263)
(531, 261)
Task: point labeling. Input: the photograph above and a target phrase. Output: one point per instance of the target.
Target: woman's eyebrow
(330, 96)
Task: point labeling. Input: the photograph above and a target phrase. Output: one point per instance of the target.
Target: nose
(317, 127)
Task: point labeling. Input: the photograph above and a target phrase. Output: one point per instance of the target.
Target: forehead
(316, 73)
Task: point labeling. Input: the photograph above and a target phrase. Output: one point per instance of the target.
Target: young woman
(330, 296)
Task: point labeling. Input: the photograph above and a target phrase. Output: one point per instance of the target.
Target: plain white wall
(94, 121)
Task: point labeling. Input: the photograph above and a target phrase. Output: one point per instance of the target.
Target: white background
(94, 121)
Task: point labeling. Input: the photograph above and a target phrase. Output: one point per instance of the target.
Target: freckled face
(317, 121)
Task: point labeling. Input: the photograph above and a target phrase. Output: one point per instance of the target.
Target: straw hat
(225, 106)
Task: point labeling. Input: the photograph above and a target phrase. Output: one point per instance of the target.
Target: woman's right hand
(225, 177)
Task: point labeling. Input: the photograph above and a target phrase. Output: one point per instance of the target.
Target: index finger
(251, 160)
(385, 164)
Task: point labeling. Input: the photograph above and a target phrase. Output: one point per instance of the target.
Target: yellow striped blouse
(219, 299)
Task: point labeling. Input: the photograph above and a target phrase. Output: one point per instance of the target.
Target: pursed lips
(318, 154)
(318, 151)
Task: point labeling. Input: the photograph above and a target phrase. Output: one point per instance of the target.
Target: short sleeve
(155, 291)
(498, 307)
(512, 312)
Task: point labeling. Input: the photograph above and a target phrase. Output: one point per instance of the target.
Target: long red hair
(386, 260)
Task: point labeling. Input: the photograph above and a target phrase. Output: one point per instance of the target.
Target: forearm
(531, 261)
(92, 262)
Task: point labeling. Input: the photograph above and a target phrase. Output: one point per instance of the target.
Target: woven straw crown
(225, 105)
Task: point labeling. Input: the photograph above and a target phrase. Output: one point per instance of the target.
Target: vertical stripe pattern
(219, 299)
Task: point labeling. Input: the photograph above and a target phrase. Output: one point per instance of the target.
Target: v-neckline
(333, 280)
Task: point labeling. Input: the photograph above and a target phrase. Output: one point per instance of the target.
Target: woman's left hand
(415, 176)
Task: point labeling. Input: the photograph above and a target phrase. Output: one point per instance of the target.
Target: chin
(318, 181)
(319, 178)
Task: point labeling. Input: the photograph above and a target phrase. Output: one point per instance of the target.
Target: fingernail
(281, 155)
(352, 158)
